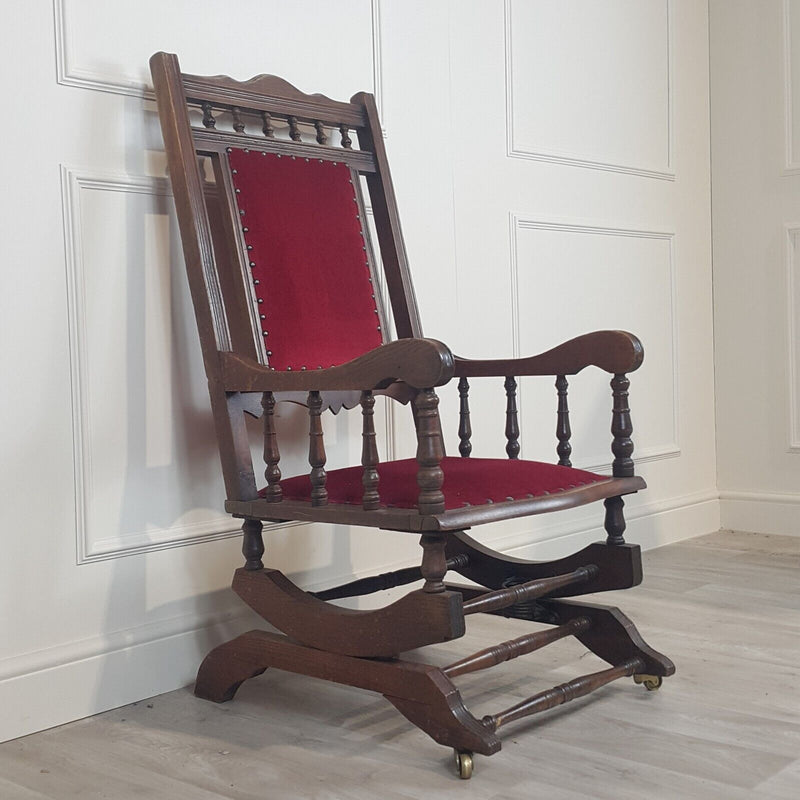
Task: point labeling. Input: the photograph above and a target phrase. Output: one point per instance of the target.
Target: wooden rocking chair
(283, 281)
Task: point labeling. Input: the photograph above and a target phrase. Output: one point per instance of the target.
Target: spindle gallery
(280, 228)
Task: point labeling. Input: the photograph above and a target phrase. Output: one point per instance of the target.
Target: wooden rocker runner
(284, 284)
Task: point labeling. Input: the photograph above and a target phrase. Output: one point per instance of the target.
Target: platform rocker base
(355, 647)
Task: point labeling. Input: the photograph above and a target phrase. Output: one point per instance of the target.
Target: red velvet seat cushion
(467, 481)
(308, 256)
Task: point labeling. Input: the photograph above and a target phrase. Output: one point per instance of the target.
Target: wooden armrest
(617, 352)
(420, 363)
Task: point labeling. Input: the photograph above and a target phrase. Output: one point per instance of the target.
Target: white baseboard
(65, 683)
(761, 512)
(652, 525)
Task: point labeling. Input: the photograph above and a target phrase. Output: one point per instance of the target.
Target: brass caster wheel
(651, 682)
(464, 764)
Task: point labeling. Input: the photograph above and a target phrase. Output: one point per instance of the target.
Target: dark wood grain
(514, 648)
(369, 454)
(512, 418)
(429, 453)
(464, 424)
(612, 636)
(266, 125)
(316, 451)
(612, 351)
(272, 456)
(360, 648)
(416, 362)
(415, 620)
(614, 520)
(563, 430)
(618, 567)
(502, 598)
(414, 521)
(434, 562)
(563, 693)
(238, 122)
(387, 224)
(621, 428)
(383, 581)
(252, 544)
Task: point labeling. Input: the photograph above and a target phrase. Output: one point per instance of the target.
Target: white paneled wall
(755, 78)
(551, 163)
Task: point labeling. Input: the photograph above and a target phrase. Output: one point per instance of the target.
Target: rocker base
(361, 648)
(422, 693)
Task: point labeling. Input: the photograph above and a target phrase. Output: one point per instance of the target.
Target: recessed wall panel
(573, 279)
(106, 46)
(147, 470)
(589, 83)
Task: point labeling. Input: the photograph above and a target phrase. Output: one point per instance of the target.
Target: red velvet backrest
(307, 250)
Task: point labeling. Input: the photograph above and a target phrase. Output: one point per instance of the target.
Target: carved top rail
(257, 108)
(273, 94)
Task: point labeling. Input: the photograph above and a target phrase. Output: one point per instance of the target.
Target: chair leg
(614, 521)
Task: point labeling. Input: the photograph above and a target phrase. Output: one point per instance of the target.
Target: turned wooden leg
(615, 520)
(434, 562)
(252, 544)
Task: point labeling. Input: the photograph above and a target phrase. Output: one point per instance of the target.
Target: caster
(651, 682)
(463, 759)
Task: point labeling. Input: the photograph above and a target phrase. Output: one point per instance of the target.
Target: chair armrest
(617, 352)
(420, 363)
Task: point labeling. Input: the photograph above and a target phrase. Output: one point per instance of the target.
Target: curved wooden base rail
(416, 620)
(618, 568)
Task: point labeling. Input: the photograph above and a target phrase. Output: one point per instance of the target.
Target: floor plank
(724, 607)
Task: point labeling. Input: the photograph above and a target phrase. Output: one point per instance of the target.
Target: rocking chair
(284, 285)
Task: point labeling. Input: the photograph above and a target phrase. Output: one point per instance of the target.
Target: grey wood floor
(724, 607)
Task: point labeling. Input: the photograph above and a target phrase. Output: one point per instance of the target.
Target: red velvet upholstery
(467, 481)
(308, 258)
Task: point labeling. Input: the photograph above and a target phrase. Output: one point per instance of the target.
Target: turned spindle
(512, 420)
(429, 453)
(294, 130)
(322, 137)
(615, 520)
(274, 493)
(238, 124)
(434, 562)
(252, 544)
(316, 451)
(369, 453)
(266, 125)
(347, 142)
(563, 431)
(621, 428)
(208, 117)
(464, 424)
